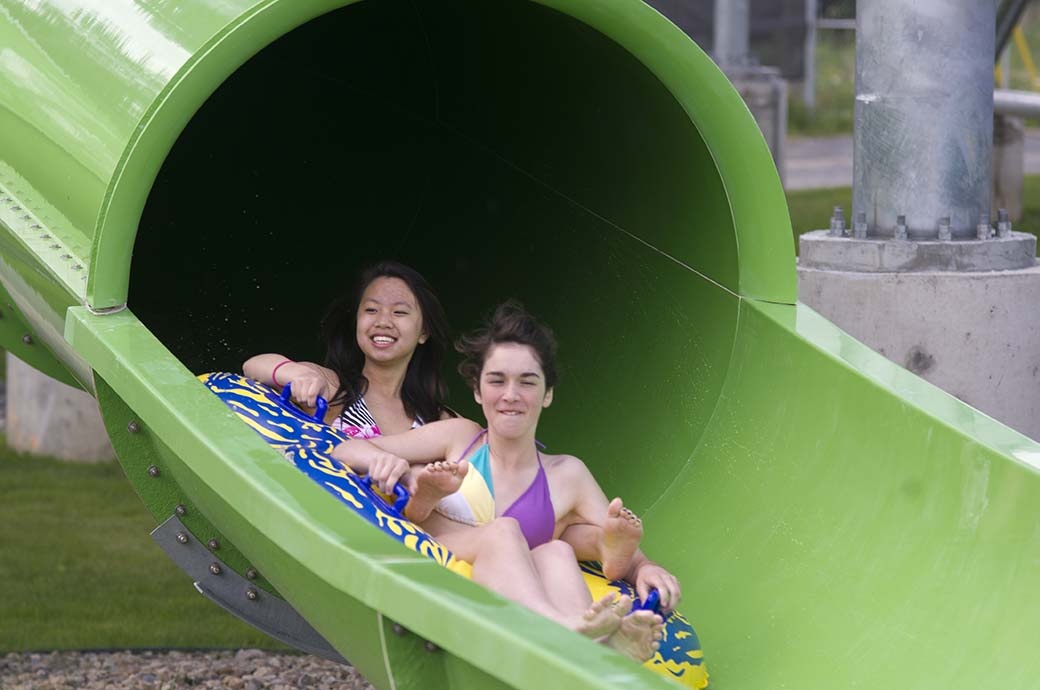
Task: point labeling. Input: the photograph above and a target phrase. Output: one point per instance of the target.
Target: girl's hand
(652, 576)
(307, 385)
(386, 470)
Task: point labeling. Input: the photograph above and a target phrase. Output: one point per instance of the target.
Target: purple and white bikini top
(474, 502)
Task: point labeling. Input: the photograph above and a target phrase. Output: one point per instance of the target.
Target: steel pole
(809, 80)
(923, 115)
(732, 28)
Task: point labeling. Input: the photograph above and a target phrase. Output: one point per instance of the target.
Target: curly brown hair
(510, 323)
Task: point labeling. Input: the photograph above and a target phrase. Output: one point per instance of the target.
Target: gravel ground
(247, 669)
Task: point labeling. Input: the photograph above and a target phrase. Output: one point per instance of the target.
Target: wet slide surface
(224, 170)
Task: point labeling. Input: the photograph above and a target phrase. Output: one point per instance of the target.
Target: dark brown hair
(510, 323)
(423, 391)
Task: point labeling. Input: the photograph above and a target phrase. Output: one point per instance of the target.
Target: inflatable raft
(307, 443)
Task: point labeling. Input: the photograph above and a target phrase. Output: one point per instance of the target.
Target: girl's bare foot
(604, 617)
(622, 533)
(432, 483)
(638, 636)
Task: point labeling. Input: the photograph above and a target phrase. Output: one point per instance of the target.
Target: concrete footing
(820, 249)
(976, 335)
(47, 417)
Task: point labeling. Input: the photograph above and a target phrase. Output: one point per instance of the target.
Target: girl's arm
(308, 380)
(389, 458)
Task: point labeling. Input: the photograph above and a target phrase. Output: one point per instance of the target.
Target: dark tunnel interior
(504, 150)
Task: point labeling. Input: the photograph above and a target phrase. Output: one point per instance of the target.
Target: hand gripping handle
(320, 408)
(401, 495)
(652, 603)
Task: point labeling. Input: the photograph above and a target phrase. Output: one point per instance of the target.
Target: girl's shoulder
(564, 464)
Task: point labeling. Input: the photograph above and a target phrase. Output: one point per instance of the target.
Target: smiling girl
(384, 347)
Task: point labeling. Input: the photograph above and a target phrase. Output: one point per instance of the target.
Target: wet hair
(423, 391)
(510, 323)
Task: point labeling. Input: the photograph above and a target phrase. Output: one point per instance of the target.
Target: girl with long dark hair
(385, 343)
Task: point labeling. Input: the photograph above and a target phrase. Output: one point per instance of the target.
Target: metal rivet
(398, 629)
(900, 233)
(213, 544)
(251, 574)
(1003, 223)
(215, 568)
(77, 267)
(944, 228)
(153, 471)
(252, 594)
(26, 217)
(182, 537)
(16, 208)
(180, 510)
(66, 256)
(837, 228)
(859, 228)
(133, 427)
(983, 229)
(36, 226)
(27, 339)
(430, 646)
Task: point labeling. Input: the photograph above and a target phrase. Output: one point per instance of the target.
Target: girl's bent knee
(556, 549)
(505, 529)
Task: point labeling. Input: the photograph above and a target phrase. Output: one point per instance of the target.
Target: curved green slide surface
(183, 184)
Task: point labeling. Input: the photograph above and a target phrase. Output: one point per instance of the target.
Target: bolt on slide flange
(238, 595)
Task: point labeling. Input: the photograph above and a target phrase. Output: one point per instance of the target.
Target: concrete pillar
(973, 334)
(47, 417)
(732, 30)
(920, 272)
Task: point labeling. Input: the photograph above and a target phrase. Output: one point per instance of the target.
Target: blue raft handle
(652, 603)
(400, 493)
(321, 405)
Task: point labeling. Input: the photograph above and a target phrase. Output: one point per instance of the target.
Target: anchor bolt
(837, 228)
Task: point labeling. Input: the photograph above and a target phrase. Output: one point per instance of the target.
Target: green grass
(811, 209)
(78, 569)
(1030, 221)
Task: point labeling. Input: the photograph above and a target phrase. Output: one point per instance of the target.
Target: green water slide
(186, 183)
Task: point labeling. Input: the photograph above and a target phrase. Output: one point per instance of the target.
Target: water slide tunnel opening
(503, 149)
